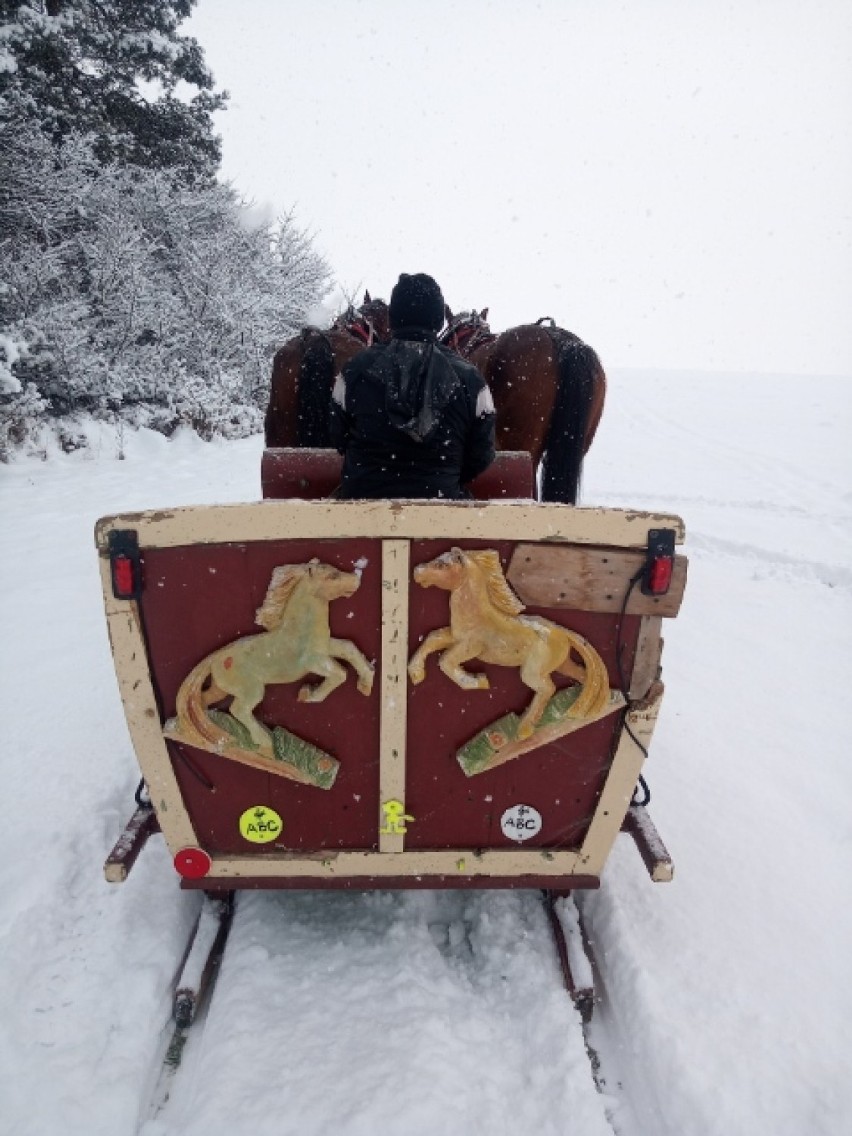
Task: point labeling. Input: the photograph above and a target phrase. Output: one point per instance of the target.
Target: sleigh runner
(390, 694)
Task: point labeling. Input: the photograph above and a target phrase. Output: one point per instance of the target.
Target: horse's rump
(303, 373)
(313, 389)
(568, 438)
(548, 388)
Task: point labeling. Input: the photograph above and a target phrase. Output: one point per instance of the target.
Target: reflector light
(122, 578)
(660, 575)
(192, 863)
(125, 563)
(659, 562)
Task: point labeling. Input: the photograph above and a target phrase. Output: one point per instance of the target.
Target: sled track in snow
(463, 983)
(789, 567)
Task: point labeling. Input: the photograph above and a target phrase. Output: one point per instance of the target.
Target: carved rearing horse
(548, 388)
(296, 641)
(486, 624)
(304, 369)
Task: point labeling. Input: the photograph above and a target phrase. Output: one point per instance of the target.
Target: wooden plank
(126, 850)
(394, 692)
(311, 474)
(143, 716)
(456, 862)
(654, 853)
(400, 520)
(589, 579)
(620, 783)
(213, 885)
(646, 661)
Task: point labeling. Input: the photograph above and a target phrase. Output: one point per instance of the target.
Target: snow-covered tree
(113, 70)
(127, 293)
(132, 284)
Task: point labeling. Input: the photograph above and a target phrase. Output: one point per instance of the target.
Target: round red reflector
(192, 863)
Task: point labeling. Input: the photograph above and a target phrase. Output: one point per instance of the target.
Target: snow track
(727, 1009)
(452, 1002)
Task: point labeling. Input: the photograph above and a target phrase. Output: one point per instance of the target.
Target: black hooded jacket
(411, 419)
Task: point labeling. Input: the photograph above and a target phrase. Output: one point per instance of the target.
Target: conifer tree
(112, 69)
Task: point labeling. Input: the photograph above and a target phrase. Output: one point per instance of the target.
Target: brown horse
(304, 368)
(548, 388)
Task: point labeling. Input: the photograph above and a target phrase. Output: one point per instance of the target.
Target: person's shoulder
(364, 359)
(466, 371)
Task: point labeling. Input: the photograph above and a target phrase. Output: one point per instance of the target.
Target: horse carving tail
(595, 693)
(313, 390)
(579, 370)
(192, 723)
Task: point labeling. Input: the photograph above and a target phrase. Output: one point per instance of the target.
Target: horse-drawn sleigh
(389, 694)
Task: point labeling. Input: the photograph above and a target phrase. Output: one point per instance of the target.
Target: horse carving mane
(270, 614)
(499, 592)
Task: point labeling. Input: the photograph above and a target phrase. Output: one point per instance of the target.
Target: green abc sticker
(260, 825)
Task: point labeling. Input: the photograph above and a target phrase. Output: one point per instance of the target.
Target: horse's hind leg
(242, 708)
(570, 669)
(538, 680)
(213, 693)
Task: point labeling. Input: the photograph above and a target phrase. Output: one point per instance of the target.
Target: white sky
(669, 179)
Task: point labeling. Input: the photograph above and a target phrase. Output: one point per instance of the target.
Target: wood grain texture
(398, 520)
(394, 682)
(646, 661)
(589, 579)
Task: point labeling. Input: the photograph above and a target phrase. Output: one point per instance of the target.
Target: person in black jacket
(410, 417)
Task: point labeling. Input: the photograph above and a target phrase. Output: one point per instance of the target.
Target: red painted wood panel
(562, 780)
(197, 599)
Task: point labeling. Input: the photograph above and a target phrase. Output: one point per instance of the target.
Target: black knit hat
(416, 301)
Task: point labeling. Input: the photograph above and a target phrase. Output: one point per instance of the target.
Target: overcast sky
(669, 179)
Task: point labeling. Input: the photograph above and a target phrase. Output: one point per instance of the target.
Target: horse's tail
(275, 420)
(595, 693)
(578, 370)
(193, 722)
(316, 378)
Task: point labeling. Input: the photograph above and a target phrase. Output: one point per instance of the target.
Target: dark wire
(142, 797)
(619, 650)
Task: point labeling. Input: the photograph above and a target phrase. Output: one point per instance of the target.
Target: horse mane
(497, 588)
(270, 614)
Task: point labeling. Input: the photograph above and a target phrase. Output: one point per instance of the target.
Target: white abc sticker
(520, 822)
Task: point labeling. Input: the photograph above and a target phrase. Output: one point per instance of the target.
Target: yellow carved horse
(486, 624)
(297, 642)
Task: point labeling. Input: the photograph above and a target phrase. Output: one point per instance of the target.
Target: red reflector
(122, 577)
(192, 863)
(660, 575)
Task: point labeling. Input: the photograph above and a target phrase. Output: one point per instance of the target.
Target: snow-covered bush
(124, 291)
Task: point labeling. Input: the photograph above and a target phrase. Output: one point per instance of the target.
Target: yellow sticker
(260, 824)
(395, 817)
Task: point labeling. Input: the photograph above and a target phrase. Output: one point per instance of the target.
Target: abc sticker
(260, 824)
(520, 822)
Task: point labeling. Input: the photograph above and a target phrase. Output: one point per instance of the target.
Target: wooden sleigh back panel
(369, 694)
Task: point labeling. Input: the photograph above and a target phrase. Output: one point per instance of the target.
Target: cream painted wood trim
(646, 661)
(444, 862)
(279, 520)
(394, 688)
(618, 790)
(143, 716)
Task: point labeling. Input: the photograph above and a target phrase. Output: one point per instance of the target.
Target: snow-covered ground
(727, 998)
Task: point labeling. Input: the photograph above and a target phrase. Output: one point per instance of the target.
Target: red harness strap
(362, 332)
